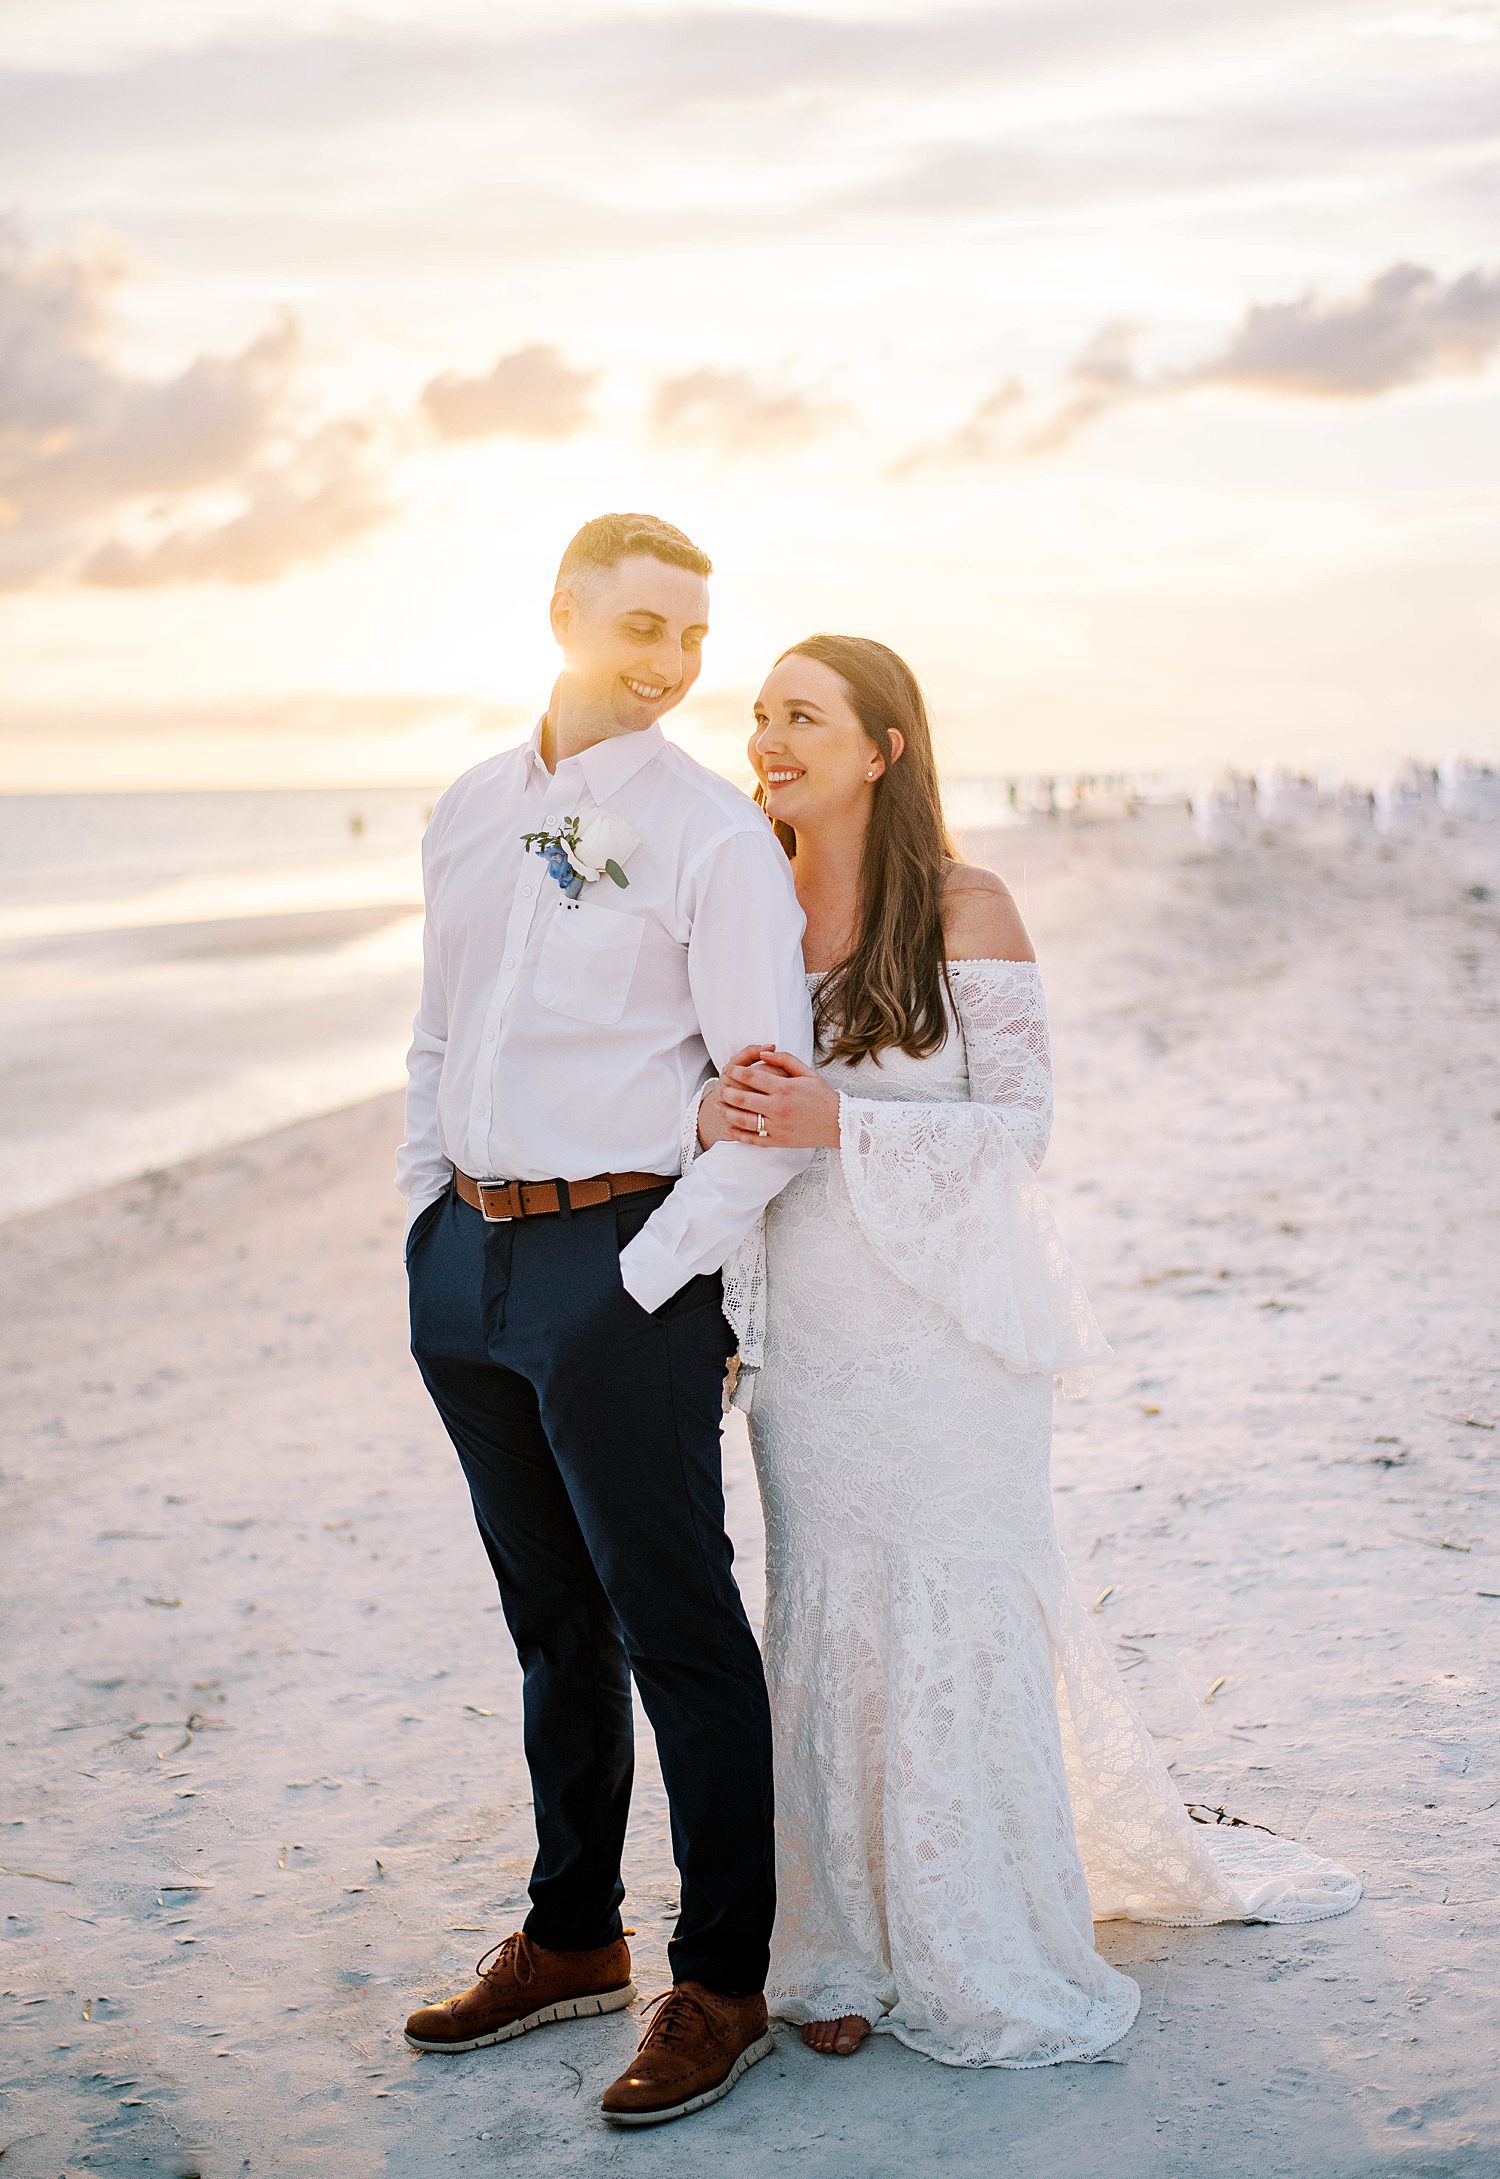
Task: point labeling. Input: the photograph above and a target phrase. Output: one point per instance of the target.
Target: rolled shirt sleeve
(749, 987)
(422, 1171)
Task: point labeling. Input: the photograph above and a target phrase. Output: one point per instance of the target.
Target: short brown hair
(611, 538)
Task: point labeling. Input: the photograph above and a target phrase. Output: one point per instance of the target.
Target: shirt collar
(608, 765)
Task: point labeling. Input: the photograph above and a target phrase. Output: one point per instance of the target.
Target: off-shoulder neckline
(965, 960)
(988, 960)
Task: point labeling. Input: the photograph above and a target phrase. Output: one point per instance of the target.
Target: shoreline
(335, 978)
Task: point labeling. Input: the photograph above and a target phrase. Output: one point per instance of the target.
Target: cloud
(783, 119)
(1209, 149)
(51, 324)
(1475, 24)
(530, 394)
(319, 82)
(736, 412)
(977, 438)
(86, 446)
(321, 498)
(1406, 326)
(1102, 378)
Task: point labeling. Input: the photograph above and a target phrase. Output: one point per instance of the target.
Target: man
(606, 923)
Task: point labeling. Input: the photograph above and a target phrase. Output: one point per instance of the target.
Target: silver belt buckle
(494, 1218)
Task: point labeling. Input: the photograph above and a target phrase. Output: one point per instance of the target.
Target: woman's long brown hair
(889, 988)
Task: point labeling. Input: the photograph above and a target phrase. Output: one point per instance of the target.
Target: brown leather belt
(501, 1200)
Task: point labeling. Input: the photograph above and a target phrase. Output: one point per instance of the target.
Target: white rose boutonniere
(580, 850)
(601, 846)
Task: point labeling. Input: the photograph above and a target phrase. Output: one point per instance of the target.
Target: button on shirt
(556, 1040)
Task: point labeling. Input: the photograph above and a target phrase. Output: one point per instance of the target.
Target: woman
(963, 1786)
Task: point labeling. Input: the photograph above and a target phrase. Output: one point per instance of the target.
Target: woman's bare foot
(836, 2038)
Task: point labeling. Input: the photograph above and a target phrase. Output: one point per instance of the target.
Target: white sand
(261, 1715)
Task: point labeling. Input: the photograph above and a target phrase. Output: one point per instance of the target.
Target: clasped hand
(800, 1109)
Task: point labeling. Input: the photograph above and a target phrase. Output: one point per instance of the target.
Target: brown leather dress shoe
(525, 1988)
(692, 2054)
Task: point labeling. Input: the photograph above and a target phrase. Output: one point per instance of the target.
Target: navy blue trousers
(588, 1430)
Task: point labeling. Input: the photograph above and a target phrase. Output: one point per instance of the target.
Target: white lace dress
(963, 1785)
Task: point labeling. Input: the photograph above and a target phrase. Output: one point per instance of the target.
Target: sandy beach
(263, 1787)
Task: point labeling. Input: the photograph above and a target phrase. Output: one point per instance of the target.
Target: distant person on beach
(607, 922)
(963, 1786)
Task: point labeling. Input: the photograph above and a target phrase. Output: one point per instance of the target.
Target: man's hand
(771, 1097)
(713, 1120)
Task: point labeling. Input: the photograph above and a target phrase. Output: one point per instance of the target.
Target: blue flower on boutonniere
(581, 850)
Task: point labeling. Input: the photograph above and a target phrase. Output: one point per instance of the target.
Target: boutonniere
(583, 849)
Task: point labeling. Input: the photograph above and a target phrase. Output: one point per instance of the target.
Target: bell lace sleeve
(744, 1276)
(947, 1193)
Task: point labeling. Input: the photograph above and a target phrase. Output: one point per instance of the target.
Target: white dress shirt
(555, 1041)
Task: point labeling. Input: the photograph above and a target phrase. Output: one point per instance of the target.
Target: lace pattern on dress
(963, 1785)
(946, 1192)
(744, 1276)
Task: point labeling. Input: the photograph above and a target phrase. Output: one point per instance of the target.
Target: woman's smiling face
(809, 750)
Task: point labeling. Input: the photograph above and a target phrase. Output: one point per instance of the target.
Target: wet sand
(263, 1788)
(132, 1046)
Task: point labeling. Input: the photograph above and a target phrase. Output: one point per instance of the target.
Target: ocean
(180, 971)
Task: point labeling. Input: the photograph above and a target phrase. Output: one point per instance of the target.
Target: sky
(1132, 366)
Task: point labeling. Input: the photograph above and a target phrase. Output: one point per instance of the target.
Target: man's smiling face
(632, 636)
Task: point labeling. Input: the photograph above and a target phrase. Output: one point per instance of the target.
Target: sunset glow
(1132, 370)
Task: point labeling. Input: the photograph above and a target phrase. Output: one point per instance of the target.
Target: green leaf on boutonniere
(613, 870)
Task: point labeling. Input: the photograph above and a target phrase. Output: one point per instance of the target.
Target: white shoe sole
(566, 2008)
(749, 2056)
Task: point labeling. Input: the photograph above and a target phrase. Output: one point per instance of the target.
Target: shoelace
(512, 1959)
(680, 2022)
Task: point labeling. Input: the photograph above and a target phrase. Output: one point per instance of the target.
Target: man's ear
(561, 615)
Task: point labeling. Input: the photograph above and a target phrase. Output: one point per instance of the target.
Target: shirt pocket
(586, 962)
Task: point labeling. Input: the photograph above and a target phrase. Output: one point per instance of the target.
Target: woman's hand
(800, 1109)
